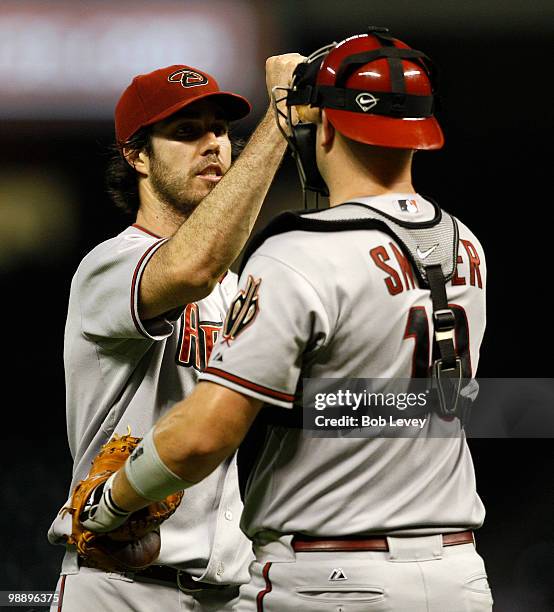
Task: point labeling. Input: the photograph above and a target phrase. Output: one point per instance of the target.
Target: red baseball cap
(157, 95)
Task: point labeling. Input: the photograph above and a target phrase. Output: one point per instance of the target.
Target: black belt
(179, 578)
(169, 575)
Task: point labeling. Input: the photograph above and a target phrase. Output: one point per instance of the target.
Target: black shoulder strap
(292, 220)
(447, 370)
(285, 222)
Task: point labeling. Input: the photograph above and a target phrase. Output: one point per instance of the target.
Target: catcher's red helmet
(379, 91)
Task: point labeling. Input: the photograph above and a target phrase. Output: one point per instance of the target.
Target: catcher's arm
(187, 444)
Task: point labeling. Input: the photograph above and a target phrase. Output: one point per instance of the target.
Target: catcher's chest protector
(432, 248)
(431, 243)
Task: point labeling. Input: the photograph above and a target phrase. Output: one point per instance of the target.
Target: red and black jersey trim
(264, 592)
(247, 384)
(138, 271)
(143, 229)
(60, 594)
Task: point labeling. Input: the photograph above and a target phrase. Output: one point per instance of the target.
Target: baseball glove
(135, 544)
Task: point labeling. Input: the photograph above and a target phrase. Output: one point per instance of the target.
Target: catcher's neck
(354, 170)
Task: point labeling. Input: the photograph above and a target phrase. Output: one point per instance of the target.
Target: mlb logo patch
(409, 206)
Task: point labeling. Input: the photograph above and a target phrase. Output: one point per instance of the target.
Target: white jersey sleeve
(274, 325)
(106, 287)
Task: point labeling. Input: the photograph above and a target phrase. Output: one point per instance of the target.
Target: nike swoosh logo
(366, 101)
(424, 254)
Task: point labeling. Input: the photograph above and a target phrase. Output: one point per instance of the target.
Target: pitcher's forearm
(218, 229)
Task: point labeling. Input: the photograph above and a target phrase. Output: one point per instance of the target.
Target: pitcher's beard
(179, 194)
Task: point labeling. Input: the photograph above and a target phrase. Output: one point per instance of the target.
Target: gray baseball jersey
(347, 304)
(123, 372)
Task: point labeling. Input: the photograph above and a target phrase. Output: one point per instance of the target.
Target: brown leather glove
(136, 543)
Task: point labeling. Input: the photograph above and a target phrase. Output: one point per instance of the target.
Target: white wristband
(106, 515)
(148, 474)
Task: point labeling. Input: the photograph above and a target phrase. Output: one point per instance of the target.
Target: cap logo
(187, 78)
(366, 101)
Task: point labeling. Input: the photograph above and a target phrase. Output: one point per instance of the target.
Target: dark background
(494, 174)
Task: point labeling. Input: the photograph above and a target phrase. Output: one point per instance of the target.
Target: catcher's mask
(375, 90)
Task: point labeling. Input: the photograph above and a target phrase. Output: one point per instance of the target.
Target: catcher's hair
(121, 177)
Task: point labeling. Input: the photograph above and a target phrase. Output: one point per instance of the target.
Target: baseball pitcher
(145, 310)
